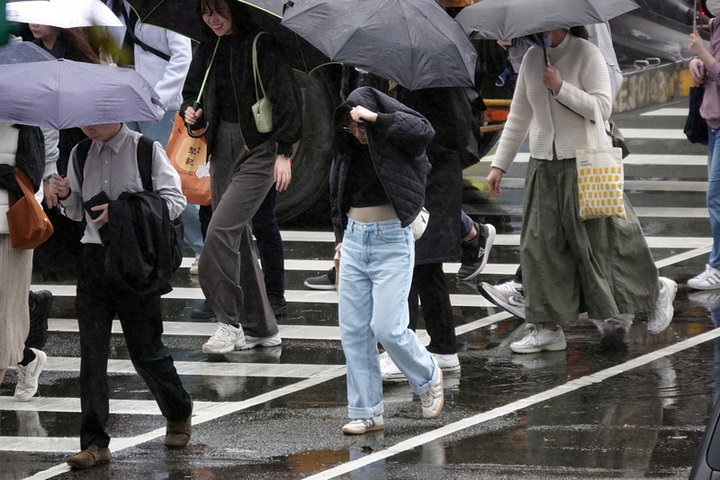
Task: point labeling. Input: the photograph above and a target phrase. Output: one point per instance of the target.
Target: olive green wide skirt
(603, 266)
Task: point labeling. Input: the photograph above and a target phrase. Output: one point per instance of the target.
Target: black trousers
(98, 300)
(429, 285)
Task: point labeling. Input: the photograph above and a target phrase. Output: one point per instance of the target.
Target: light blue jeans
(713, 193)
(376, 267)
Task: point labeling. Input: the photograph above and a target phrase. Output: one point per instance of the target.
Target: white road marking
(666, 112)
(512, 407)
(632, 159)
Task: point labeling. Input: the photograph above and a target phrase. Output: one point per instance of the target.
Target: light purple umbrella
(63, 94)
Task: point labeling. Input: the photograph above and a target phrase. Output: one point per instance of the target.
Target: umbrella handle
(199, 134)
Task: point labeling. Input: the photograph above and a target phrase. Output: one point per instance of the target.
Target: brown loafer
(177, 432)
(91, 456)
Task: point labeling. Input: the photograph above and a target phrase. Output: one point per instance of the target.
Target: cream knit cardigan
(534, 108)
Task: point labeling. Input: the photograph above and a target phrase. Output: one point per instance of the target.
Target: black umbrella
(412, 42)
(183, 17)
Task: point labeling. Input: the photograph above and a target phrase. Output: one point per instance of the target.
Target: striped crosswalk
(301, 328)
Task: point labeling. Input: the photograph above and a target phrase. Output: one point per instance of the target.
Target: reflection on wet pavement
(618, 403)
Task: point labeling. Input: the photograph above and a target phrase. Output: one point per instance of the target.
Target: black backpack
(144, 161)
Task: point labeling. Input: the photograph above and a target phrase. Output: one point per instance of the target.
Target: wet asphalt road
(276, 413)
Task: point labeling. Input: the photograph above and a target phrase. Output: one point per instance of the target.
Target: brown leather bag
(27, 222)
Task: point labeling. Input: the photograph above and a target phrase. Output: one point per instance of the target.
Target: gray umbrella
(23, 52)
(412, 42)
(63, 94)
(508, 19)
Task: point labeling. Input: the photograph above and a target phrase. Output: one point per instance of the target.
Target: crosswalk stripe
(632, 159)
(666, 112)
(637, 185)
(500, 239)
(654, 133)
(221, 369)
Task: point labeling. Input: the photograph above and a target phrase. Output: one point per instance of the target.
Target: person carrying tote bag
(603, 265)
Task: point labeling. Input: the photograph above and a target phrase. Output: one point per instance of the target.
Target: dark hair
(580, 32)
(78, 46)
(239, 15)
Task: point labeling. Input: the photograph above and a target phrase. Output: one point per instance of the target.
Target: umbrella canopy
(61, 13)
(23, 52)
(63, 94)
(412, 42)
(183, 17)
(508, 19)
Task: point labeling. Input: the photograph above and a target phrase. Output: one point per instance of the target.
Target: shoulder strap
(144, 156)
(131, 20)
(145, 161)
(256, 73)
(81, 154)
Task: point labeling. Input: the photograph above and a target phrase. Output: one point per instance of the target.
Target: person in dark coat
(449, 112)
(377, 189)
(245, 165)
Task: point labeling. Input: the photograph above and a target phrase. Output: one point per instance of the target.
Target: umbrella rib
(259, 8)
(150, 12)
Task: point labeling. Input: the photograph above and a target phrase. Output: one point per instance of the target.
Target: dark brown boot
(177, 433)
(91, 456)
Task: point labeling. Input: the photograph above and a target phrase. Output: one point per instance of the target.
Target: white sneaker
(194, 266)
(224, 340)
(364, 425)
(707, 280)
(508, 295)
(27, 383)
(432, 401)
(447, 363)
(252, 342)
(389, 371)
(538, 339)
(659, 318)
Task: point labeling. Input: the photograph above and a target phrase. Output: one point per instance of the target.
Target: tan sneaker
(432, 401)
(91, 456)
(177, 433)
(363, 425)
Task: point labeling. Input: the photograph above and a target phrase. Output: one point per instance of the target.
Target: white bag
(420, 223)
(599, 174)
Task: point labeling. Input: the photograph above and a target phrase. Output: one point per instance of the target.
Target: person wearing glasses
(377, 188)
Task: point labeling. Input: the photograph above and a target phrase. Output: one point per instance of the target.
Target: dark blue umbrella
(63, 94)
(23, 52)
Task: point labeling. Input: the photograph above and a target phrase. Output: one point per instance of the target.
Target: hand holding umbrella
(552, 78)
(704, 58)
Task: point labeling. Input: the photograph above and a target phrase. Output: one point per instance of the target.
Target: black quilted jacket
(397, 142)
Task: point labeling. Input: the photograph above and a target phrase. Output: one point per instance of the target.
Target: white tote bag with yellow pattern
(600, 174)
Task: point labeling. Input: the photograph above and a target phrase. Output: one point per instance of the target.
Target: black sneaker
(40, 304)
(279, 305)
(326, 281)
(475, 252)
(203, 312)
